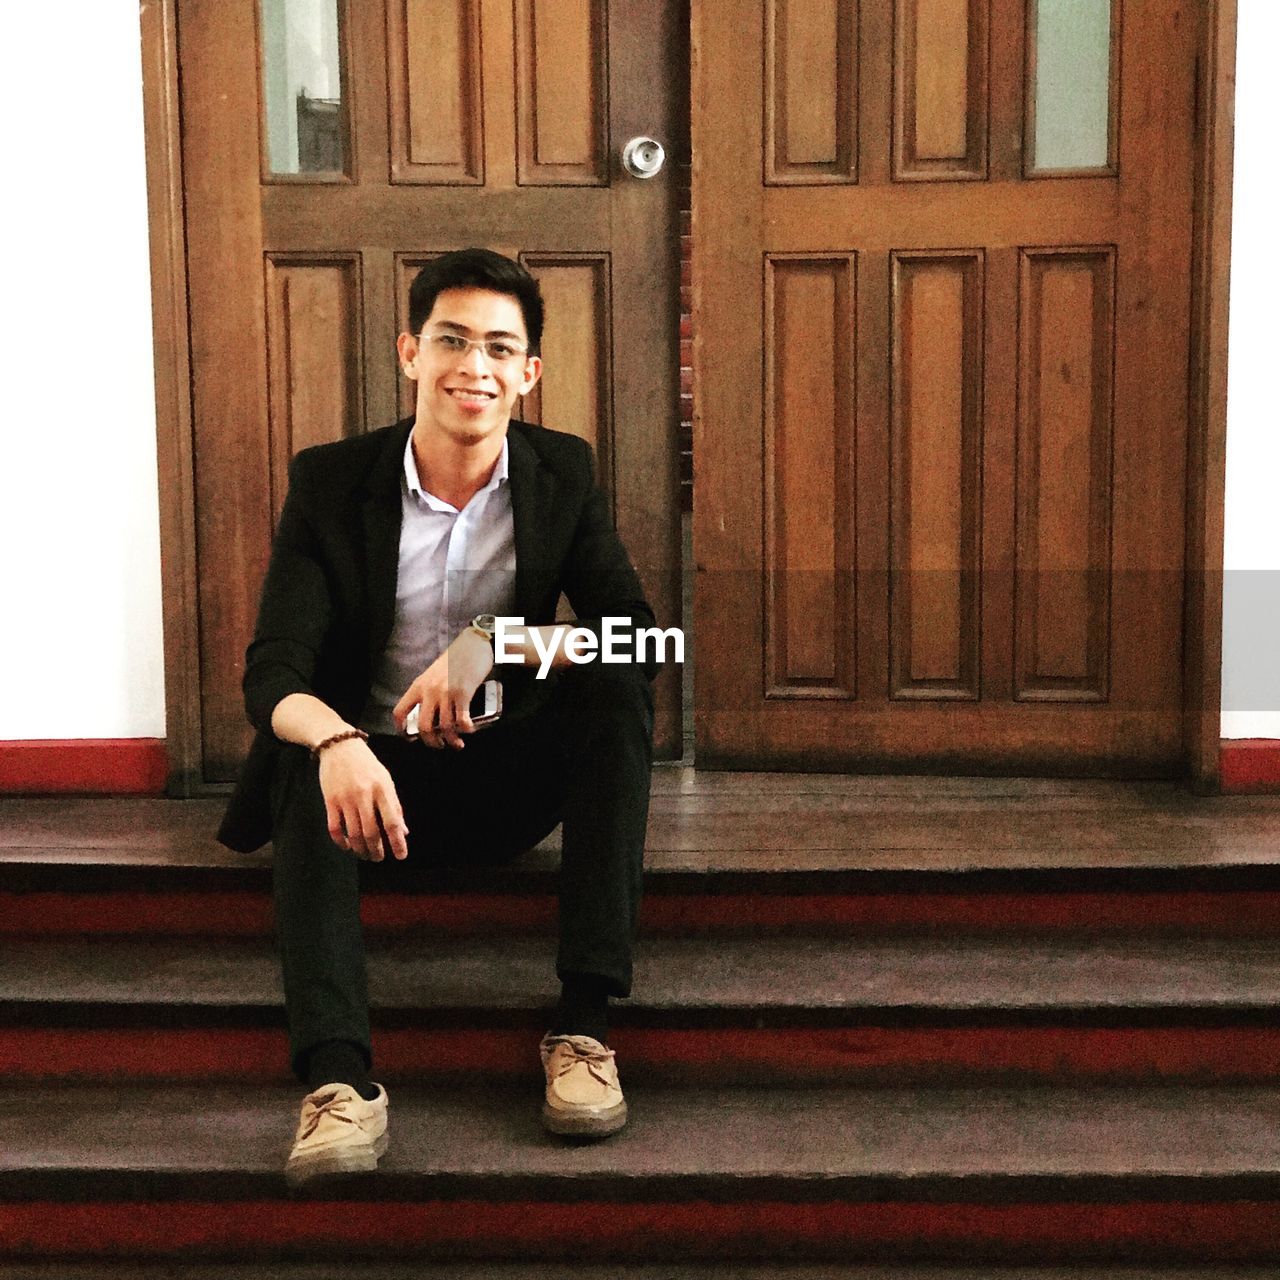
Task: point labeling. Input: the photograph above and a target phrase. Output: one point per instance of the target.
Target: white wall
(80, 649)
(1251, 587)
(80, 645)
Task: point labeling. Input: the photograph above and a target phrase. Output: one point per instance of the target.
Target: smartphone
(486, 707)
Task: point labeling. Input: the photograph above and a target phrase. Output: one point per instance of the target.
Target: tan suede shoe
(338, 1132)
(584, 1097)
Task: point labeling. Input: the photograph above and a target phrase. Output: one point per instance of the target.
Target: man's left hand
(443, 692)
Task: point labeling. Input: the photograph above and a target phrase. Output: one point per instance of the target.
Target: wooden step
(561, 1270)
(726, 853)
(786, 1009)
(701, 821)
(1151, 1174)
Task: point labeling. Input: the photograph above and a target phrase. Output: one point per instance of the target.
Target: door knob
(643, 157)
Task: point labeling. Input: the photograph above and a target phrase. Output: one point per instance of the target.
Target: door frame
(171, 340)
(1207, 385)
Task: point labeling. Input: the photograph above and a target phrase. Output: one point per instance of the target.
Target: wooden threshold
(729, 822)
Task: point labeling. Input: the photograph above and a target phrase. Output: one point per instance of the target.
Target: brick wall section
(686, 341)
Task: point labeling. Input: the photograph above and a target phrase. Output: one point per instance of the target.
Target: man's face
(468, 391)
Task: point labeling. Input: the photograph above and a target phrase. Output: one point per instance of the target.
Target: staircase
(882, 1027)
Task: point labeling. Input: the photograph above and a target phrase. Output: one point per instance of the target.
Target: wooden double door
(941, 273)
(942, 328)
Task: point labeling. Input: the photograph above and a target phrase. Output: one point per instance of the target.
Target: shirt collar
(500, 472)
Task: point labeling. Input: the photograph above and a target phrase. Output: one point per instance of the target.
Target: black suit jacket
(328, 601)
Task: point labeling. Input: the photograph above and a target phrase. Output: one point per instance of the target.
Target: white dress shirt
(453, 565)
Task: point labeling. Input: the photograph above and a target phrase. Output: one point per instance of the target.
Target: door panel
(940, 72)
(313, 355)
(436, 110)
(809, 451)
(935, 434)
(939, 510)
(561, 93)
(490, 122)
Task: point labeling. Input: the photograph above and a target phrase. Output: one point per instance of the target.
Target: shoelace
(327, 1106)
(584, 1054)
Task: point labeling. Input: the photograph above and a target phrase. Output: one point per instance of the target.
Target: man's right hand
(358, 796)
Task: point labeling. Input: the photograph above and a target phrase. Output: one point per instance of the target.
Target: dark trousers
(583, 759)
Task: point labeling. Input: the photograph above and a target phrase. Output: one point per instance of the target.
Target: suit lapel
(530, 510)
(380, 513)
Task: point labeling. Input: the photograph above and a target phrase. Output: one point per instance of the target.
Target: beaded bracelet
(338, 737)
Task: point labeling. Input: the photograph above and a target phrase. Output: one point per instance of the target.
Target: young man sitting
(394, 554)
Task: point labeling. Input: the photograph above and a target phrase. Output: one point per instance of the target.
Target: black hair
(477, 269)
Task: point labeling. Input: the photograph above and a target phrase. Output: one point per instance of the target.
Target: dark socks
(340, 1062)
(584, 1008)
(582, 1011)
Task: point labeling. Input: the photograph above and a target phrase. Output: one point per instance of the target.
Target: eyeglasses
(496, 350)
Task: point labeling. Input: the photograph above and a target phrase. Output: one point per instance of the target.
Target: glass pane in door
(302, 86)
(1070, 45)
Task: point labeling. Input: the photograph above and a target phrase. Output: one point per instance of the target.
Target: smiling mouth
(473, 394)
